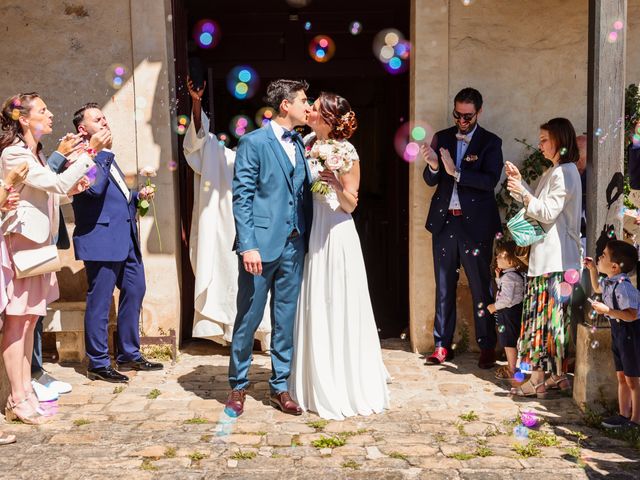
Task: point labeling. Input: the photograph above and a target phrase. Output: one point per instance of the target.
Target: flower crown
(346, 119)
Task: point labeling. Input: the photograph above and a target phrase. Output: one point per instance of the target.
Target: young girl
(508, 304)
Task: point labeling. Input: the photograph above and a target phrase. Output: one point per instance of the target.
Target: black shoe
(107, 374)
(140, 364)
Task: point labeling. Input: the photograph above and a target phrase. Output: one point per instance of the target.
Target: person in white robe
(214, 264)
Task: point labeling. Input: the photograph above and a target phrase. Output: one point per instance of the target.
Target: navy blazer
(263, 196)
(105, 221)
(476, 187)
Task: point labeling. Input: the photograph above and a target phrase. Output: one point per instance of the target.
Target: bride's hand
(329, 177)
(512, 171)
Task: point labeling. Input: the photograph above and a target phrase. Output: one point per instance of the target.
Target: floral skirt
(544, 334)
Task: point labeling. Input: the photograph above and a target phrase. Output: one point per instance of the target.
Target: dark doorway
(273, 38)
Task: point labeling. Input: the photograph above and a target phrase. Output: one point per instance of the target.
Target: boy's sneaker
(616, 421)
(629, 425)
(43, 393)
(56, 385)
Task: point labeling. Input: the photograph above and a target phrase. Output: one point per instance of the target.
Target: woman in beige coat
(556, 205)
(24, 120)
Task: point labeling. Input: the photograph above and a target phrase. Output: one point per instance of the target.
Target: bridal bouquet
(146, 194)
(332, 155)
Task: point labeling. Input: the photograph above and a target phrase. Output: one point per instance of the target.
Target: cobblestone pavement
(451, 421)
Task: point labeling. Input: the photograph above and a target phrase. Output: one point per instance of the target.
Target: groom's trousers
(283, 278)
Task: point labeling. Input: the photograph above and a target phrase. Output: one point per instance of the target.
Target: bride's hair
(336, 111)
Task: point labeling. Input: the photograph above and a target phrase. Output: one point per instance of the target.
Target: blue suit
(106, 239)
(465, 239)
(273, 212)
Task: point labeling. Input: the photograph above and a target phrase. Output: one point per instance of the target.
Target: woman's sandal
(33, 418)
(558, 383)
(7, 439)
(528, 389)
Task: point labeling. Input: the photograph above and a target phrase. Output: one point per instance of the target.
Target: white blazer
(557, 205)
(31, 217)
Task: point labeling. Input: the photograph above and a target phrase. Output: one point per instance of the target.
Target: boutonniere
(471, 158)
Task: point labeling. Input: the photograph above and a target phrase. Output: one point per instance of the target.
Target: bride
(337, 367)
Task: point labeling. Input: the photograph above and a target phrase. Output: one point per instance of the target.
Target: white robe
(214, 264)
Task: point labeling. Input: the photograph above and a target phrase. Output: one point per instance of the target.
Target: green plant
(543, 439)
(81, 421)
(460, 427)
(276, 455)
(439, 437)
(462, 456)
(462, 345)
(118, 389)
(206, 438)
(148, 465)
(351, 464)
(492, 431)
(170, 452)
(469, 416)
(483, 451)
(240, 455)
(318, 424)
(574, 452)
(157, 352)
(197, 456)
(329, 442)
(398, 455)
(533, 166)
(153, 394)
(196, 421)
(592, 418)
(527, 450)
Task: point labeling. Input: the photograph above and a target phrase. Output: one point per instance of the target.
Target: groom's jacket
(480, 171)
(264, 196)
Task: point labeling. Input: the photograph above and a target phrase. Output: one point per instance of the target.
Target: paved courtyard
(451, 421)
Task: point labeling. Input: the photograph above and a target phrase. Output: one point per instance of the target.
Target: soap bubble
(475, 252)
(182, 123)
(223, 139)
(264, 115)
(612, 37)
(618, 25)
(355, 28)
(518, 377)
(572, 276)
(115, 75)
(322, 48)
(480, 305)
(598, 132)
(525, 367)
(529, 419)
(499, 235)
(565, 289)
(595, 344)
(307, 26)
(391, 48)
(521, 432)
(206, 33)
(242, 82)
(501, 329)
(239, 125)
(409, 137)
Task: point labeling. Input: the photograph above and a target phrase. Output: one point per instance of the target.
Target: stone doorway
(271, 37)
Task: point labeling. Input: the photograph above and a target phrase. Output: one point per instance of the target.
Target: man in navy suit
(273, 211)
(465, 163)
(106, 239)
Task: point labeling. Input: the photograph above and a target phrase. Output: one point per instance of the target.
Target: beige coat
(31, 218)
(557, 205)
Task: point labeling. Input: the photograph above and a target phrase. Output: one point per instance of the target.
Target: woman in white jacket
(24, 120)
(556, 205)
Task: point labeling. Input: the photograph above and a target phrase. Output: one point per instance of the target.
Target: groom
(273, 211)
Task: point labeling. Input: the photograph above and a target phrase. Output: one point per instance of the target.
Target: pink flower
(148, 171)
(334, 162)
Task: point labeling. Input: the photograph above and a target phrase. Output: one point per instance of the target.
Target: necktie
(465, 138)
(292, 134)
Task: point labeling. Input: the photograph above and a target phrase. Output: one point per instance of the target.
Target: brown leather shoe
(283, 401)
(487, 358)
(235, 403)
(440, 355)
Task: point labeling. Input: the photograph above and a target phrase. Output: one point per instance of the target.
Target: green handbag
(525, 231)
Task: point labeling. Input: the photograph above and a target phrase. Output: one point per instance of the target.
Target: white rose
(334, 162)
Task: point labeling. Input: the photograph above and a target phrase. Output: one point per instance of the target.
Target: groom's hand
(252, 262)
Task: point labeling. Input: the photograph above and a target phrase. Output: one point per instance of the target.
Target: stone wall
(66, 52)
(529, 60)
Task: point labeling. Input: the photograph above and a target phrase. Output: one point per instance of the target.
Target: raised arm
(43, 178)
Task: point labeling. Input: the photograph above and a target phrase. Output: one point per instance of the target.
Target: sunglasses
(467, 117)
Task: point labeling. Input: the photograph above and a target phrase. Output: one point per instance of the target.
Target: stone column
(594, 377)
(429, 104)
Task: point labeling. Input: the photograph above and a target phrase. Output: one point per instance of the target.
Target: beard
(468, 128)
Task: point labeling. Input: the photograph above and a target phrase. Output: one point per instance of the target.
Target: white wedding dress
(337, 368)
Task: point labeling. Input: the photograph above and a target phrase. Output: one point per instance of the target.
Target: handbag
(525, 231)
(36, 261)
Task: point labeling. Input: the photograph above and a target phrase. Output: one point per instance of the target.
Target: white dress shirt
(287, 144)
(461, 149)
(118, 178)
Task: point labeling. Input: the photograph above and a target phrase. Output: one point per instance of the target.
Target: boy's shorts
(625, 345)
(509, 321)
